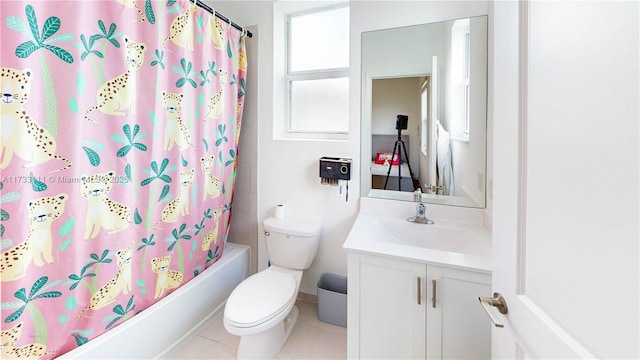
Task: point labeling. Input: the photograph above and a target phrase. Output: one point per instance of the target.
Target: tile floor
(310, 339)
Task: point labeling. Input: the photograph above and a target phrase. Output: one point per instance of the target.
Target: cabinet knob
(496, 301)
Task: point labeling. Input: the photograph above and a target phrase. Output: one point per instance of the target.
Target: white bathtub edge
(178, 315)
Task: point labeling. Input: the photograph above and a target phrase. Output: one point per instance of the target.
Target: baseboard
(308, 297)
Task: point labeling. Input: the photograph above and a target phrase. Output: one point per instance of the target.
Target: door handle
(496, 301)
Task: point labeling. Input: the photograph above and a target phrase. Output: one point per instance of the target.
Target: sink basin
(439, 236)
(458, 238)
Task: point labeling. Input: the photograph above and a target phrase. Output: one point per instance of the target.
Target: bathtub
(157, 331)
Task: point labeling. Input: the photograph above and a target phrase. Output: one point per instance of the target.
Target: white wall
(287, 170)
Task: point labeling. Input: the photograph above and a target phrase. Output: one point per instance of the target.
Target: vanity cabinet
(400, 309)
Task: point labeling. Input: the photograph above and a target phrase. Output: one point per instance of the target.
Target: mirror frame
(366, 129)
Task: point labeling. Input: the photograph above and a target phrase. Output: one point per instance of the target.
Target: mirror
(436, 75)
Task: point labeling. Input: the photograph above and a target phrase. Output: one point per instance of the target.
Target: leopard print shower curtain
(119, 144)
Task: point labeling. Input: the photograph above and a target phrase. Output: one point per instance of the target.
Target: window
(459, 96)
(467, 76)
(317, 71)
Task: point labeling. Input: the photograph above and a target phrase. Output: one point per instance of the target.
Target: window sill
(302, 136)
(460, 138)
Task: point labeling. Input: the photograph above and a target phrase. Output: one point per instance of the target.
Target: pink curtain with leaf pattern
(119, 149)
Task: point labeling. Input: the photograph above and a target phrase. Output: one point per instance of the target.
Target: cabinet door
(457, 326)
(392, 309)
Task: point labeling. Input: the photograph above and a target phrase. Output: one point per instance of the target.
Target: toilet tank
(292, 242)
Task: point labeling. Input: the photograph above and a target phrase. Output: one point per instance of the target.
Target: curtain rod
(223, 18)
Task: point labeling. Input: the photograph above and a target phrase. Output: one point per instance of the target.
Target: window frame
(467, 79)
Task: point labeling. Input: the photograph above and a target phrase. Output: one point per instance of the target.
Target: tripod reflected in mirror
(402, 123)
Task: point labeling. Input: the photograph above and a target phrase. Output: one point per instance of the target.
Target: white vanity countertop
(374, 232)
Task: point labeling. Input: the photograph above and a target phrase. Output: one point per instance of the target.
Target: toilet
(261, 309)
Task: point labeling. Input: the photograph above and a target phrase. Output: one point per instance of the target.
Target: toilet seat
(260, 298)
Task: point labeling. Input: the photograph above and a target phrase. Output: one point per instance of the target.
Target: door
(566, 156)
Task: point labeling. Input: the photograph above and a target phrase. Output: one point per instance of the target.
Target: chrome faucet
(420, 217)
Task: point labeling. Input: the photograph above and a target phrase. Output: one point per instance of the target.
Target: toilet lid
(260, 297)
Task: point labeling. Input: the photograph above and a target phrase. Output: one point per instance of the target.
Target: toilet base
(267, 344)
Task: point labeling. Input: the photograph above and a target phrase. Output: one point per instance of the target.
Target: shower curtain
(119, 149)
